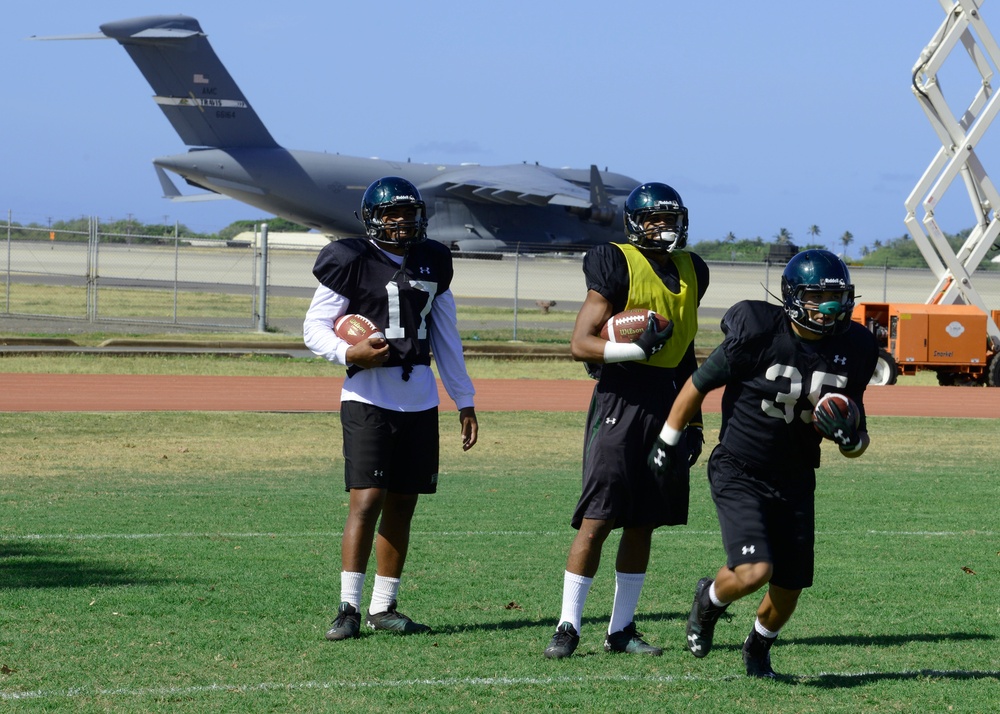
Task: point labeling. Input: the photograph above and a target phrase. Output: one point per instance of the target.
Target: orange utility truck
(951, 340)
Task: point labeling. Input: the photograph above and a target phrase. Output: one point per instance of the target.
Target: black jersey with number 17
(396, 298)
(777, 377)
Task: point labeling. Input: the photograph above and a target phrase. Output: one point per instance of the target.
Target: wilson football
(352, 328)
(838, 406)
(628, 325)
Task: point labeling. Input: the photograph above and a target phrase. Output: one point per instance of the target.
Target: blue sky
(762, 115)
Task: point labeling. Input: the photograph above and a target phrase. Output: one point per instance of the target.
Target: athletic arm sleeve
(686, 368)
(446, 346)
(713, 373)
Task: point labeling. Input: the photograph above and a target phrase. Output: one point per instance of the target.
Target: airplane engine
(604, 215)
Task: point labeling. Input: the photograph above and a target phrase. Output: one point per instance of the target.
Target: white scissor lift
(956, 342)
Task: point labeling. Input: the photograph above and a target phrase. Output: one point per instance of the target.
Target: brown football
(352, 328)
(626, 326)
(836, 405)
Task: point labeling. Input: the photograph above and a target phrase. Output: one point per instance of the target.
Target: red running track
(102, 393)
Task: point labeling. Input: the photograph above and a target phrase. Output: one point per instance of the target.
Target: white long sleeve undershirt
(384, 386)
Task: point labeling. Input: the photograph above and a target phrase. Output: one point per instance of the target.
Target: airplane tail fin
(191, 85)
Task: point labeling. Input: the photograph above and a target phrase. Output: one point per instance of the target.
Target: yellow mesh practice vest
(646, 290)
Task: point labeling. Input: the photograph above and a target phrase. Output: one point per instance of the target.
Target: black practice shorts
(617, 483)
(397, 451)
(765, 517)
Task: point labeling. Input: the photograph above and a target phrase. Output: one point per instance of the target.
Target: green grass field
(189, 562)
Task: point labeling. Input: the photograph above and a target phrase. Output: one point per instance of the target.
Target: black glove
(663, 459)
(652, 340)
(843, 429)
(694, 438)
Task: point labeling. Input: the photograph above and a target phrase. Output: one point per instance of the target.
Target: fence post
(262, 287)
(10, 219)
(177, 263)
(92, 253)
(517, 274)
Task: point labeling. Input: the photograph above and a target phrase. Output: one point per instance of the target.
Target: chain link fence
(101, 277)
(104, 277)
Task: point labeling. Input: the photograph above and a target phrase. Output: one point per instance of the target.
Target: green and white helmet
(815, 271)
(656, 201)
(393, 192)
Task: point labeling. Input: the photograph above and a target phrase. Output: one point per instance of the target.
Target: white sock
(383, 594)
(714, 597)
(764, 632)
(627, 589)
(575, 589)
(351, 585)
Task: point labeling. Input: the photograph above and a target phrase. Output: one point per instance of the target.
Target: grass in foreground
(188, 562)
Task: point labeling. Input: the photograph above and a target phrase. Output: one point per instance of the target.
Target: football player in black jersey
(775, 362)
(652, 271)
(389, 401)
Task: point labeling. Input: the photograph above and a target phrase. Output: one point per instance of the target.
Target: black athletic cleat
(563, 643)
(393, 621)
(630, 641)
(346, 625)
(701, 621)
(757, 657)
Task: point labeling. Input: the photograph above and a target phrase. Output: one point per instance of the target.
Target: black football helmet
(656, 199)
(392, 192)
(818, 271)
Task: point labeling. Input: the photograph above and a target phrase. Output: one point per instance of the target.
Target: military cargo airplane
(470, 207)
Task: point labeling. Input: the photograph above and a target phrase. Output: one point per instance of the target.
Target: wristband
(670, 435)
(622, 352)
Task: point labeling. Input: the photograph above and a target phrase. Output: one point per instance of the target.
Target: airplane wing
(510, 185)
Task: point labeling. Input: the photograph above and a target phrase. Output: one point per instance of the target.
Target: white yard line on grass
(43, 694)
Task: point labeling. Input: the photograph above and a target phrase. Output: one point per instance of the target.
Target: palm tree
(846, 239)
(784, 237)
(730, 237)
(814, 231)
